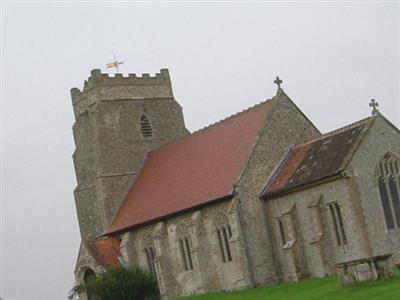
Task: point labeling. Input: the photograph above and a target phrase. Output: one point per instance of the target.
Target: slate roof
(192, 171)
(105, 251)
(316, 160)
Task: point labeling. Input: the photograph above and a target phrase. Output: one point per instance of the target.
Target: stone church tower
(117, 121)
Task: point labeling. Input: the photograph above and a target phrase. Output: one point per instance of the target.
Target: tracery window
(388, 174)
(337, 221)
(224, 234)
(147, 131)
(184, 244)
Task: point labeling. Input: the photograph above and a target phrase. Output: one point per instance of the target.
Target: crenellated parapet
(160, 84)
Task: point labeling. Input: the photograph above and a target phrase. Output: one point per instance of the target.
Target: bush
(130, 283)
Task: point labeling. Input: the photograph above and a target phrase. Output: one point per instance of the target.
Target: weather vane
(115, 64)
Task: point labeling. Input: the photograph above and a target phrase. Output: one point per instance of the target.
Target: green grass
(311, 289)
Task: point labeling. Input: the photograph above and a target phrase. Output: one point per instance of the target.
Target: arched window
(150, 257)
(224, 234)
(147, 131)
(150, 254)
(388, 174)
(185, 246)
(89, 275)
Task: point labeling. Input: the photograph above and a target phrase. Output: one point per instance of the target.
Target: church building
(258, 198)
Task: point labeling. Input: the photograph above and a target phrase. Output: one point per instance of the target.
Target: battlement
(103, 79)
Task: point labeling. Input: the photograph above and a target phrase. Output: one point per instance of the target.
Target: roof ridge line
(214, 124)
(333, 132)
(233, 115)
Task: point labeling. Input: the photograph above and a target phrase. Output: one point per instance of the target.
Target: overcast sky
(333, 58)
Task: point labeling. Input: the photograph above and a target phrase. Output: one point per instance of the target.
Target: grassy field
(311, 289)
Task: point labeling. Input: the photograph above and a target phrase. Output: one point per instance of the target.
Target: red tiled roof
(105, 251)
(316, 160)
(194, 170)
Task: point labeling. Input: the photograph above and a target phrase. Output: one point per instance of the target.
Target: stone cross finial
(374, 106)
(278, 82)
(115, 64)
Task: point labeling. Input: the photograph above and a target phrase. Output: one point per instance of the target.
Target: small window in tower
(147, 131)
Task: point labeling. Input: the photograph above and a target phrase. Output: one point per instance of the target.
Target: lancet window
(185, 247)
(150, 254)
(224, 235)
(337, 221)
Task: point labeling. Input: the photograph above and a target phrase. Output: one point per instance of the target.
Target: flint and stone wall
(285, 125)
(110, 149)
(312, 249)
(210, 273)
(382, 138)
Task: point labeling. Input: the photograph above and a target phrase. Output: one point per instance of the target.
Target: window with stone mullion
(333, 217)
(394, 195)
(387, 209)
(341, 225)
(338, 223)
(224, 234)
(183, 254)
(389, 190)
(150, 260)
(221, 245)
(226, 244)
(188, 254)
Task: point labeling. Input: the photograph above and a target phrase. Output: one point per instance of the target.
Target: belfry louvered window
(145, 125)
(388, 174)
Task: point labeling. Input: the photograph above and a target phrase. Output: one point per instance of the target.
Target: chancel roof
(316, 160)
(191, 171)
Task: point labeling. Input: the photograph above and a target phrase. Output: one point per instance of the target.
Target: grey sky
(332, 57)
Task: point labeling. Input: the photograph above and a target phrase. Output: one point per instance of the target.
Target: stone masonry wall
(314, 234)
(210, 273)
(379, 140)
(285, 126)
(110, 148)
